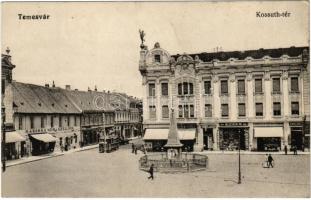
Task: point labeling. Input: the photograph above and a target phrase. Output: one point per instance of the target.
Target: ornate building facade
(258, 97)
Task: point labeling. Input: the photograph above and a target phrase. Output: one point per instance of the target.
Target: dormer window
(39, 104)
(157, 58)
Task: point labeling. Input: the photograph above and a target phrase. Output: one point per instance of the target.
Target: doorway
(208, 139)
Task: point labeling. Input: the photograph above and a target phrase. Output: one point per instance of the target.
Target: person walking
(265, 164)
(270, 160)
(285, 149)
(135, 150)
(151, 172)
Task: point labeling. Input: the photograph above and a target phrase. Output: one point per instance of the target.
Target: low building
(43, 116)
(258, 99)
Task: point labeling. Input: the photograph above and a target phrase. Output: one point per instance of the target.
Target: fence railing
(183, 162)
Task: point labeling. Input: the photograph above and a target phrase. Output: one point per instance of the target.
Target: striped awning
(11, 137)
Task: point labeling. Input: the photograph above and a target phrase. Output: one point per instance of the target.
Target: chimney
(88, 89)
(53, 85)
(47, 85)
(67, 87)
(76, 89)
(95, 88)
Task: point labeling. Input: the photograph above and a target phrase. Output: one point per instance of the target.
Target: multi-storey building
(259, 97)
(97, 116)
(41, 119)
(128, 111)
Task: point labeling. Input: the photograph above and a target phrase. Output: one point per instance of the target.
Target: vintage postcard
(155, 99)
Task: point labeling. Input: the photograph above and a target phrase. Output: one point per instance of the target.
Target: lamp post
(239, 180)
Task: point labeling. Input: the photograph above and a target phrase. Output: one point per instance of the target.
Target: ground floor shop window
(39, 147)
(231, 138)
(269, 144)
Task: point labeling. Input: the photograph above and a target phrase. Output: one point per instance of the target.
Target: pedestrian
(151, 172)
(133, 147)
(270, 160)
(295, 150)
(266, 161)
(135, 150)
(285, 149)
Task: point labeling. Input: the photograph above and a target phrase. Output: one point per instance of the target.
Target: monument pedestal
(198, 147)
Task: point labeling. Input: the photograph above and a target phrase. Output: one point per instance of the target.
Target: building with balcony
(258, 99)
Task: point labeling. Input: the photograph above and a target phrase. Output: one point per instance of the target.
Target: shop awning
(156, 134)
(44, 137)
(186, 134)
(162, 134)
(13, 137)
(268, 132)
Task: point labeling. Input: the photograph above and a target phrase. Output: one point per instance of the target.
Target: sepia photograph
(155, 99)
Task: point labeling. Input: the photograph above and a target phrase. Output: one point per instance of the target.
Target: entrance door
(205, 141)
(296, 138)
(208, 138)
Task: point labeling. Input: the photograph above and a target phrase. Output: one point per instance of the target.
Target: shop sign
(43, 130)
(295, 124)
(234, 124)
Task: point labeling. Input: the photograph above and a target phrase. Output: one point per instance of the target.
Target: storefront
(42, 143)
(67, 138)
(90, 136)
(268, 138)
(155, 139)
(15, 146)
(233, 135)
(299, 135)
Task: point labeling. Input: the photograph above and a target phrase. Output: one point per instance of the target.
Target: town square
(150, 99)
(117, 175)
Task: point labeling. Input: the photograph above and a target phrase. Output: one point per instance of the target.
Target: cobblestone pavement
(93, 174)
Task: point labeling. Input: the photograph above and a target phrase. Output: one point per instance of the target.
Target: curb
(51, 156)
(28, 161)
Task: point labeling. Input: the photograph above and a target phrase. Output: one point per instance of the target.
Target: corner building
(260, 97)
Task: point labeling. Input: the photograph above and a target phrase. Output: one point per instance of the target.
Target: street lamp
(239, 180)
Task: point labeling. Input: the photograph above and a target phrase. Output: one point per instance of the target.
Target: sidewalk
(24, 160)
(253, 152)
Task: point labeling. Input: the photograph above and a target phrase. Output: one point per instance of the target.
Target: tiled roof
(241, 55)
(122, 100)
(89, 100)
(29, 98)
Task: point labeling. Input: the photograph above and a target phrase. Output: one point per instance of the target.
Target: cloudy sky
(87, 44)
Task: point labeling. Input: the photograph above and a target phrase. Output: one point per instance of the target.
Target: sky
(86, 44)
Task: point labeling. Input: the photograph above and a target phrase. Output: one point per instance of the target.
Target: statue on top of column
(142, 38)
